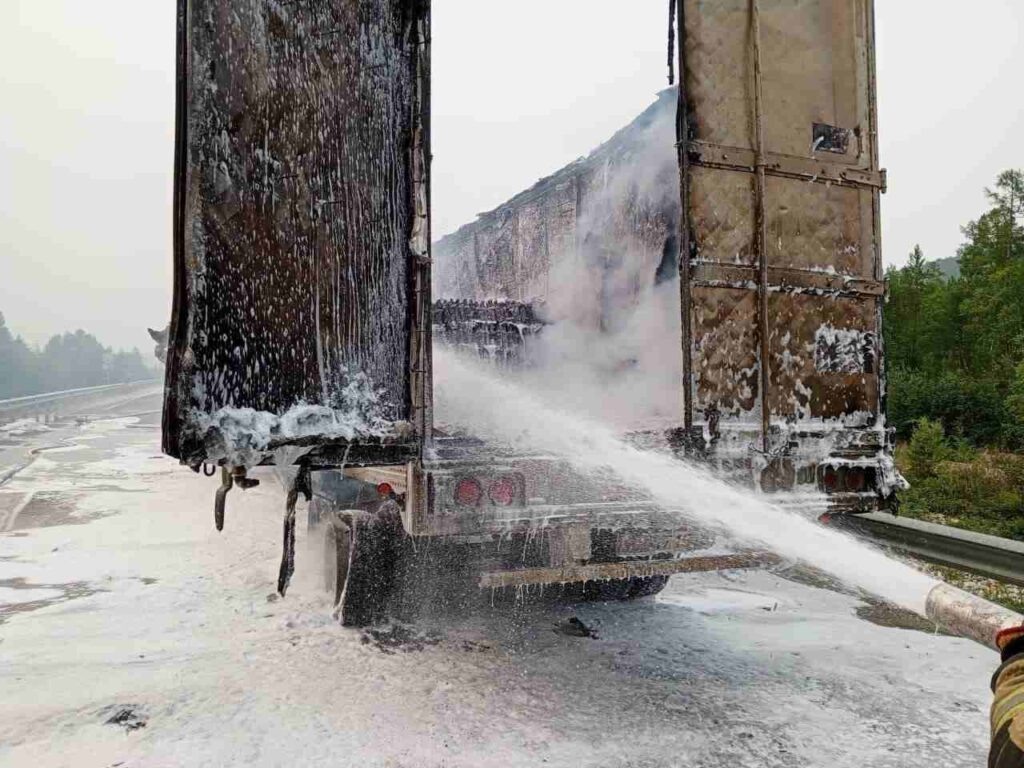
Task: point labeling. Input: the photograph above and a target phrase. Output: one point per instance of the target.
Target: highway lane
(133, 634)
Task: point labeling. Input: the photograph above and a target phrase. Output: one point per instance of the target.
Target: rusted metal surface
(625, 570)
(782, 182)
(421, 347)
(761, 227)
(784, 166)
(683, 228)
(970, 616)
(301, 197)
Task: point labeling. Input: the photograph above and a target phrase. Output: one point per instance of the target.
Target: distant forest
(67, 361)
(955, 337)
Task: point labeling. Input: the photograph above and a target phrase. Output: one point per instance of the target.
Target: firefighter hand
(1008, 705)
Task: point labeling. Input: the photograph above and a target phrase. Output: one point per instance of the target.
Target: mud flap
(299, 485)
(373, 568)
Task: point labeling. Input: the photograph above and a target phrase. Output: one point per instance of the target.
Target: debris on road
(576, 628)
(398, 637)
(128, 717)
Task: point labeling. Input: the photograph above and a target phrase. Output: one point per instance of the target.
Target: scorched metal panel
(781, 264)
(300, 226)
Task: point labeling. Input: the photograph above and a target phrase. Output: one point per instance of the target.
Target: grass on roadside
(954, 484)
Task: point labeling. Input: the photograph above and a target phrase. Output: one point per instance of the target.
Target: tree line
(67, 361)
(955, 344)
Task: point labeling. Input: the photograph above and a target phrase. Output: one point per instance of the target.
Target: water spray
(499, 411)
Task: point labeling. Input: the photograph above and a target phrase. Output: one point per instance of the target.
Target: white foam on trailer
(243, 437)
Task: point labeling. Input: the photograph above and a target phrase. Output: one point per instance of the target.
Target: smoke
(630, 377)
(613, 349)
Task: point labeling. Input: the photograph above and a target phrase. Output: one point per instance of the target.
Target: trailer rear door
(301, 292)
(782, 283)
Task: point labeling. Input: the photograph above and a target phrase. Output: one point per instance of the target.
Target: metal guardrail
(47, 403)
(14, 402)
(980, 553)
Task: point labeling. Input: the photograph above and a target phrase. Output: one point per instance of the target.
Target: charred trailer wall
(779, 147)
(583, 243)
(301, 243)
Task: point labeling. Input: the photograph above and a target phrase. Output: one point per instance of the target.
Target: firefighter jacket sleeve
(1007, 749)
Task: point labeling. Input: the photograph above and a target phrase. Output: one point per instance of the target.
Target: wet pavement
(133, 634)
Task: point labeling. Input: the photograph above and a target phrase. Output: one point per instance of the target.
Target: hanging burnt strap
(229, 478)
(683, 161)
(301, 485)
(671, 42)
(761, 233)
(227, 482)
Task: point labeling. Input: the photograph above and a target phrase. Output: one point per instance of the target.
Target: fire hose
(978, 619)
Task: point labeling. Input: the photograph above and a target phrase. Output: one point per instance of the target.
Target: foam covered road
(133, 634)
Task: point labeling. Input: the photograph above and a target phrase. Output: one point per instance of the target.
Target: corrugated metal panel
(801, 71)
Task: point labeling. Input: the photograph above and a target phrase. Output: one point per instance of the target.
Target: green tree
(126, 366)
(1008, 198)
(927, 448)
(19, 367)
(920, 318)
(953, 346)
(73, 360)
(68, 361)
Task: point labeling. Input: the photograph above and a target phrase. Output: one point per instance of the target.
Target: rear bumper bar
(626, 570)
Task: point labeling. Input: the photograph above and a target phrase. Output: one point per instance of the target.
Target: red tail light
(468, 492)
(830, 480)
(503, 491)
(384, 490)
(856, 479)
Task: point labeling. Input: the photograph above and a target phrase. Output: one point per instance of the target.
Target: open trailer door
(301, 232)
(781, 269)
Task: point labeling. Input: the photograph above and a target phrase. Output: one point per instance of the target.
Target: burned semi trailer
(782, 282)
(780, 279)
(302, 323)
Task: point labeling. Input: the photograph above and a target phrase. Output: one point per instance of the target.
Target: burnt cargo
(601, 227)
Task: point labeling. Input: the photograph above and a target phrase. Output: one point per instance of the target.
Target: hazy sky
(520, 89)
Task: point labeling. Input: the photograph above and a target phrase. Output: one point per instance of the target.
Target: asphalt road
(133, 634)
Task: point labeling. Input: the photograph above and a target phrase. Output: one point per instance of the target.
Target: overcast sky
(520, 89)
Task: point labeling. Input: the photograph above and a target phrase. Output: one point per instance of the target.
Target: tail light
(846, 479)
(384, 490)
(856, 479)
(468, 492)
(830, 480)
(503, 491)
